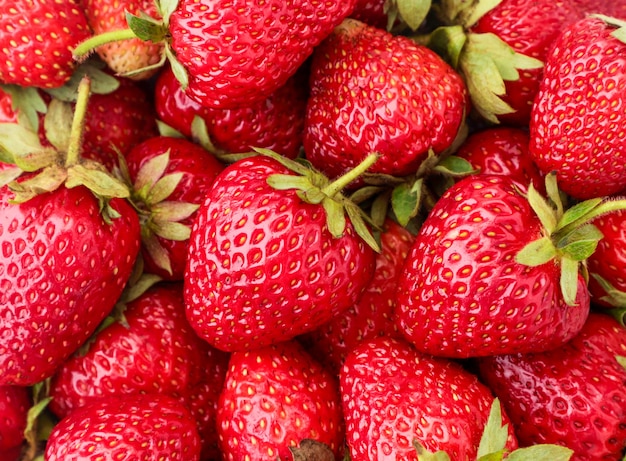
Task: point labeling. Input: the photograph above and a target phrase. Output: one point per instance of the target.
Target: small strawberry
(575, 128)
(14, 404)
(274, 398)
(129, 428)
(36, 41)
(169, 178)
(372, 316)
(276, 123)
(573, 396)
(374, 92)
(495, 272)
(272, 255)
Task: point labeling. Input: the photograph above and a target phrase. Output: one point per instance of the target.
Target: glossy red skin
(62, 270)
(502, 151)
(7, 114)
(575, 129)
(371, 12)
(573, 396)
(33, 29)
(529, 27)
(14, 404)
(129, 428)
(373, 92)
(392, 394)
(463, 294)
(199, 168)
(262, 265)
(609, 259)
(615, 8)
(273, 398)
(373, 315)
(253, 47)
(276, 123)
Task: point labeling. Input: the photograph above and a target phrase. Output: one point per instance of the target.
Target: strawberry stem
(78, 122)
(341, 182)
(92, 43)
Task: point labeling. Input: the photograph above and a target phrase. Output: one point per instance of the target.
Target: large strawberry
(70, 242)
(232, 53)
(14, 404)
(272, 255)
(373, 92)
(575, 127)
(36, 41)
(489, 274)
(273, 399)
(129, 428)
(574, 395)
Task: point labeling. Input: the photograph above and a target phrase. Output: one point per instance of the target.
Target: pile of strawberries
(313, 230)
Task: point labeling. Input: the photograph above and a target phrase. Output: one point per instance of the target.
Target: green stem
(609, 206)
(102, 39)
(78, 122)
(341, 182)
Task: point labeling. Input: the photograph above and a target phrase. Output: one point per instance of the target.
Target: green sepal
(380, 208)
(580, 243)
(168, 131)
(166, 8)
(554, 195)
(495, 435)
(101, 82)
(425, 455)
(467, 13)
(293, 165)
(171, 230)
(335, 217)
(541, 452)
(149, 173)
(16, 141)
(200, 134)
(614, 297)
(448, 42)
(355, 214)
(156, 251)
(147, 28)
(58, 124)
(621, 360)
(101, 183)
(620, 25)
(454, 166)
(28, 103)
(163, 188)
(569, 280)
(9, 174)
(405, 201)
(411, 12)
(48, 180)
(173, 211)
(576, 212)
(537, 252)
(178, 69)
(495, 456)
(544, 211)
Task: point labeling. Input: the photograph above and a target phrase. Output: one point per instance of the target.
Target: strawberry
(502, 151)
(169, 178)
(14, 405)
(373, 314)
(274, 398)
(574, 395)
(127, 56)
(128, 428)
(616, 8)
(395, 399)
(485, 277)
(276, 123)
(36, 41)
(271, 256)
(374, 92)
(575, 128)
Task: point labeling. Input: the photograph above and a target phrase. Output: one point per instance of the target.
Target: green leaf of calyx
(425, 455)
(467, 13)
(569, 280)
(168, 131)
(171, 230)
(577, 212)
(146, 28)
(554, 195)
(541, 452)
(406, 200)
(37, 160)
(448, 42)
(166, 8)
(49, 180)
(156, 251)
(335, 216)
(355, 214)
(455, 166)
(200, 134)
(413, 12)
(173, 211)
(151, 172)
(58, 124)
(537, 253)
(580, 243)
(507, 60)
(178, 69)
(163, 188)
(101, 183)
(495, 434)
(620, 25)
(28, 103)
(17, 140)
(544, 211)
(101, 82)
(614, 297)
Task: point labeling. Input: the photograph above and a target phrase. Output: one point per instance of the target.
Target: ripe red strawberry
(373, 92)
(575, 128)
(615, 8)
(393, 395)
(36, 41)
(14, 404)
(276, 123)
(372, 316)
(128, 55)
(170, 178)
(465, 292)
(128, 428)
(573, 396)
(371, 12)
(274, 398)
(502, 151)
(264, 264)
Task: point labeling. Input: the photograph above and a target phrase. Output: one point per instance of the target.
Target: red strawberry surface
(36, 41)
(373, 92)
(371, 12)
(130, 428)
(253, 47)
(273, 398)
(575, 127)
(573, 396)
(14, 404)
(276, 123)
(392, 394)
(463, 293)
(63, 269)
(263, 266)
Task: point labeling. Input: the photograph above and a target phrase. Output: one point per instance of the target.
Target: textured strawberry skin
(575, 128)
(276, 123)
(573, 396)
(33, 29)
(262, 265)
(391, 394)
(373, 92)
(138, 427)
(14, 404)
(253, 47)
(463, 294)
(62, 270)
(273, 398)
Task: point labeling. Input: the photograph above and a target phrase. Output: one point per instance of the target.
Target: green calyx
(619, 25)
(569, 235)
(410, 12)
(314, 187)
